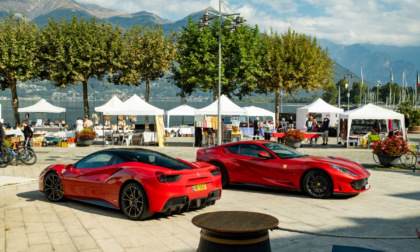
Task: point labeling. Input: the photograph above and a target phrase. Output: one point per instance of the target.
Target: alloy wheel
(53, 187)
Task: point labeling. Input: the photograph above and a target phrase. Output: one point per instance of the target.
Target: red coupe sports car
(272, 164)
(137, 181)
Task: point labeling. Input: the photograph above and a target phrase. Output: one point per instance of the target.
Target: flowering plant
(392, 146)
(294, 135)
(86, 134)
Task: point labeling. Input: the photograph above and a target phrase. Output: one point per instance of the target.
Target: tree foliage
(72, 52)
(18, 53)
(198, 59)
(293, 61)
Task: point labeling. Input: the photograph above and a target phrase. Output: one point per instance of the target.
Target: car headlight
(344, 170)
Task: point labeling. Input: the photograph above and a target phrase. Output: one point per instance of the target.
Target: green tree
(330, 94)
(74, 51)
(18, 53)
(384, 92)
(198, 57)
(148, 56)
(355, 93)
(294, 61)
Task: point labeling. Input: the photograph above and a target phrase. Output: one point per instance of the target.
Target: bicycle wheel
(27, 156)
(5, 158)
(409, 159)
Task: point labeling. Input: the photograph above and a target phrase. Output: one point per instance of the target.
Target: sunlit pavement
(389, 209)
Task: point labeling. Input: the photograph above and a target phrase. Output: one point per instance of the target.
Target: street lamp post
(339, 94)
(204, 22)
(349, 76)
(377, 92)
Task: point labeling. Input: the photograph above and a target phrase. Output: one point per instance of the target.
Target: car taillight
(215, 172)
(163, 178)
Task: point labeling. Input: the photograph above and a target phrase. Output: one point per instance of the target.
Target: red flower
(294, 135)
(393, 146)
(86, 134)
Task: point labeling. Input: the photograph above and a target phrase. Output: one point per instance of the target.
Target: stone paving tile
(41, 248)
(84, 243)
(36, 238)
(109, 244)
(16, 239)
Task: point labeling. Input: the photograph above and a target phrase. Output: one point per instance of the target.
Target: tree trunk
(85, 99)
(215, 92)
(277, 106)
(15, 99)
(146, 118)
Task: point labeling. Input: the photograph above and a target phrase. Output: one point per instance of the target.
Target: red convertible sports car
(272, 164)
(137, 181)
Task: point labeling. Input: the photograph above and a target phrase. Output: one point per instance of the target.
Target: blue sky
(379, 22)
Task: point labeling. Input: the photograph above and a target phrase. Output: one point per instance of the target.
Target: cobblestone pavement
(28, 222)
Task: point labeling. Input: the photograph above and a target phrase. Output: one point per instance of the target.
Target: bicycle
(24, 154)
(409, 159)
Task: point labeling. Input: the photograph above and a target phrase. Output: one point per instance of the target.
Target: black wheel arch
(129, 181)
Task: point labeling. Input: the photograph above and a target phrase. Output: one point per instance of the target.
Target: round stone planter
(294, 144)
(414, 129)
(84, 142)
(388, 161)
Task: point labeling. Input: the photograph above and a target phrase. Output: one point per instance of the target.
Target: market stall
(42, 107)
(183, 110)
(317, 107)
(371, 112)
(255, 111)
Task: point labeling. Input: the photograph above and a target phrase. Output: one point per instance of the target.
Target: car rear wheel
(317, 184)
(224, 173)
(133, 202)
(53, 187)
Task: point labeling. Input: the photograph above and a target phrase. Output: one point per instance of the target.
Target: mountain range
(376, 61)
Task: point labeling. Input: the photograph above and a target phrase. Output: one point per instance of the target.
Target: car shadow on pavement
(413, 195)
(36, 195)
(284, 192)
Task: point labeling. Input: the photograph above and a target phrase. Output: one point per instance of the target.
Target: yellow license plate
(199, 187)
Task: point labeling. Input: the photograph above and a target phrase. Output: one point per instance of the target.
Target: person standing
(88, 124)
(267, 130)
(308, 124)
(27, 132)
(325, 127)
(256, 128)
(291, 122)
(315, 128)
(377, 126)
(284, 124)
(28, 121)
(407, 124)
(280, 129)
(79, 125)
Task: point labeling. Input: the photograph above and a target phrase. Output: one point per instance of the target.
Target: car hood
(342, 162)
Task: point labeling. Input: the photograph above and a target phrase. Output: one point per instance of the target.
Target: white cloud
(390, 22)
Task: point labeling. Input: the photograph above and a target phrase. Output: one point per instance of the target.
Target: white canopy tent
(257, 111)
(113, 104)
(42, 106)
(227, 108)
(320, 107)
(371, 112)
(183, 110)
(133, 106)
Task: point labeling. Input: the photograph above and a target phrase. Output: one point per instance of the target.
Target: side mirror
(263, 154)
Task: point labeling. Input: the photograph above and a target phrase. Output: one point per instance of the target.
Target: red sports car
(272, 164)
(137, 181)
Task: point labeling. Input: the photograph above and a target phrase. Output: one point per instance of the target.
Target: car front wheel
(53, 187)
(317, 184)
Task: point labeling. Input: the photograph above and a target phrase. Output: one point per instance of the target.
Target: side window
(233, 148)
(251, 150)
(115, 161)
(94, 161)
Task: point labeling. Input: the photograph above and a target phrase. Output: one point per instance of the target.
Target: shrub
(294, 135)
(393, 146)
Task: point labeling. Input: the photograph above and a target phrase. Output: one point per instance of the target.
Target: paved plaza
(29, 222)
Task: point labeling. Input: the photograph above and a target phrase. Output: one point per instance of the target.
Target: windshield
(155, 158)
(282, 151)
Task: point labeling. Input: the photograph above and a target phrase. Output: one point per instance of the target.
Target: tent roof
(42, 106)
(257, 111)
(370, 111)
(111, 105)
(320, 106)
(183, 110)
(135, 106)
(227, 108)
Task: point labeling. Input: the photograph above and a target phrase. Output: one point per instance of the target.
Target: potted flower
(294, 138)
(85, 137)
(390, 150)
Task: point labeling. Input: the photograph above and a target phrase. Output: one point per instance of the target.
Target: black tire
(409, 159)
(5, 158)
(27, 156)
(134, 203)
(224, 173)
(317, 184)
(53, 187)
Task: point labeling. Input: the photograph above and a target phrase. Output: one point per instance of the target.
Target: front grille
(359, 185)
